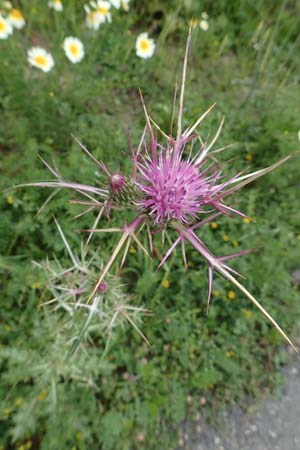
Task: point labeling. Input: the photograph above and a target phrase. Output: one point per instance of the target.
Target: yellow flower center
(15, 14)
(40, 60)
(102, 10)
(73, 49)
(90, 15)
(144, 44)
(165, 284)
(231, 295)
(193, 22)
(246, 220)
(2, 26)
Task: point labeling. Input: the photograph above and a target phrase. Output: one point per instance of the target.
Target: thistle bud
(116, 182)
(123, 192)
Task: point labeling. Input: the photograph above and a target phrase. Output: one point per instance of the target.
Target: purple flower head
(172, 189)
(102, 287)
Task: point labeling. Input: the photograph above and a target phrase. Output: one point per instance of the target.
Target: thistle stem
(216, 264)
(128, 232)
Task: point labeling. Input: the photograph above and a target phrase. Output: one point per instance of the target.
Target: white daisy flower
(116, 3)
(125, 4)
(102, 11)
(144, 46)
(7, 5)
(15, 18)
(56, 4)
(40, 58)
(203, 24)
(74, 49)
(5, 28)
(92, 19)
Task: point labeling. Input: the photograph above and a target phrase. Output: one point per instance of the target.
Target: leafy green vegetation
(131, 395)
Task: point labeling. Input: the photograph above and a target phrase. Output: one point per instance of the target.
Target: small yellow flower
(247, 313)
(132, 249)
(78, 436)
(248, 157)
(235, 243)
(10, 199)
(5, 413)
(165, 284)
(19, 401)
(246, 220)
(36, 285)
(230, 354)
(231, 295)
(213, 225)
(193, 22)
(215, 293)
(225, 237)
(42, 395)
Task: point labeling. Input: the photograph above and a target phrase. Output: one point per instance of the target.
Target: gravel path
(275, 425)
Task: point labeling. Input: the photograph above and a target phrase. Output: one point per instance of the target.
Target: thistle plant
(69, 286)
(176, 184)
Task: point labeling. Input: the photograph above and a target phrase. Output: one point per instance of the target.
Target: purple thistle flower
(172, 189)
(169, 190)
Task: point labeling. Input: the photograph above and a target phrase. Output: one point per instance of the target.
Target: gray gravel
(274, 425)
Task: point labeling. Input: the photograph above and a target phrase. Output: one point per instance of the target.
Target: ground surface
(274, 425)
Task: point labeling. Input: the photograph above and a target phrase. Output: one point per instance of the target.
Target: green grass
(248, 63)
